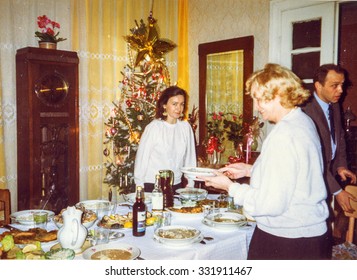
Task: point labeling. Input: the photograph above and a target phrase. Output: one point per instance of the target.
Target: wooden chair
(5, 207)
(352, 216)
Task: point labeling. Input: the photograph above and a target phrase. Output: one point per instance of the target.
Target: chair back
(352, 216)
(5, 207)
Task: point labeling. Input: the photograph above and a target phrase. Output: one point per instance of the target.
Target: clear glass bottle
(157, 197)
(139, 213)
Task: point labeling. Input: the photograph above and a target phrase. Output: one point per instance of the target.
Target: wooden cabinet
(47, 128)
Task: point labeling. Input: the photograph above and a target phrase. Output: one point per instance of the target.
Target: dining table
(217, 244)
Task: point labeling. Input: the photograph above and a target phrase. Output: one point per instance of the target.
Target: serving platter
(185, 212)
(25, 217)
(194, 172)
(120, 251)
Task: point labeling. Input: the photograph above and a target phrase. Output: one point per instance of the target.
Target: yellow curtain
(183, 62)
(97, 30)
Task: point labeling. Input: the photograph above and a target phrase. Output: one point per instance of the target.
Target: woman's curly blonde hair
(275, 80)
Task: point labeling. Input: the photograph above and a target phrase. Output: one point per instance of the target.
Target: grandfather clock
(47, 128)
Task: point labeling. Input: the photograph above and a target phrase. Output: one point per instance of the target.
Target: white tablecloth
(226, 245)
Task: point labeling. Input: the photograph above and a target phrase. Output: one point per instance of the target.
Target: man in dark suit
(328, 81)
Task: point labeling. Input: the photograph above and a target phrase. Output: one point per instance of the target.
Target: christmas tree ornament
(113, 131)
(140, 117)
(106, 152)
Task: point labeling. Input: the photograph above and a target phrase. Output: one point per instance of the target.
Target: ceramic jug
(72, 234)
(166, 183)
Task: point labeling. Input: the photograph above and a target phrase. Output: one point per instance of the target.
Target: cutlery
(126, 205)
(203, 242)
(140, 258)
(208, 238)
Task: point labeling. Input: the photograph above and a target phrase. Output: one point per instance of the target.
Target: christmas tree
(143, 81)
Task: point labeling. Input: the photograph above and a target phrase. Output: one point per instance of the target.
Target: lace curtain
(95, 30)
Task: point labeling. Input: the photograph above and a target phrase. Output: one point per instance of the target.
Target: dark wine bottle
(139, 213)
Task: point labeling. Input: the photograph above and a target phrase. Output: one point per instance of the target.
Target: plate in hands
(193, 172)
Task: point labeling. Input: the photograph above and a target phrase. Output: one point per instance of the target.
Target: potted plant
(48, 35)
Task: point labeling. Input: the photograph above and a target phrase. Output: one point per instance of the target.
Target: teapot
(73, 233)
(166, 183)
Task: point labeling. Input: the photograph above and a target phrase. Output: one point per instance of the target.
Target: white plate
(225, 220)
(135, 252)
(193, 172)
(176, 235)
(25, 217)
(130, 197)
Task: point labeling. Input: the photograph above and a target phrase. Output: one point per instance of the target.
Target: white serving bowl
(176, 235)
(226, 220)
(192, 194)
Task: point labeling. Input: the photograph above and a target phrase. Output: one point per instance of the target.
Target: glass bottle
(157, 197)
(139, 213)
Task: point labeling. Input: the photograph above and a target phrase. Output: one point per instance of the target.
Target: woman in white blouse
(167, 142)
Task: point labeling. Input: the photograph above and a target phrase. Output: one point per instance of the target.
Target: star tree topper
(146, 42)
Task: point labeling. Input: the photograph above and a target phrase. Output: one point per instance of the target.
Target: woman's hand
(220, 181)
(236, 170)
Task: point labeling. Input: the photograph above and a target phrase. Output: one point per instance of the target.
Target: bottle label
(157, 202)
(141, 221)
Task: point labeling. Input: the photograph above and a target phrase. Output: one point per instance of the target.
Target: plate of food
(99, 207)
(25, 217)
(225, 220)
(186, 211)
(194, 172)
(31, 236)
(117, 221)
(112, 251)
(177, 235)
(88, 218)
(131, 197)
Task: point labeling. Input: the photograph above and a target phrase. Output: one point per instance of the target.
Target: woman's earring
(164, 113)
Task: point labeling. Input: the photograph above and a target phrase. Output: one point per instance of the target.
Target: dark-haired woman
(167, 142)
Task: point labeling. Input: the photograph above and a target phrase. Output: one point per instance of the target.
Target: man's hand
(344, 173)
(343, 199)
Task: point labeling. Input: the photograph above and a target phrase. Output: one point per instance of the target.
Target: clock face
(52, 90)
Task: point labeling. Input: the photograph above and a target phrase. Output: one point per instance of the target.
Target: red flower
(48, 33)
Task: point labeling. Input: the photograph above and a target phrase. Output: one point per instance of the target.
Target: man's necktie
(332, 124)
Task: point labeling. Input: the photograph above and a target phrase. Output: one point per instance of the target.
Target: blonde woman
(287, 192)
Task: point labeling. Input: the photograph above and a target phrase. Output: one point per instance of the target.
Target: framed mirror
(224, 67)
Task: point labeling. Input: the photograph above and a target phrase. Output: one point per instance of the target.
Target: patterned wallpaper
(214, 20)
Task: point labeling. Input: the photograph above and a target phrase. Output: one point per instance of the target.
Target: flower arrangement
(48, 30)
(221, 126)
